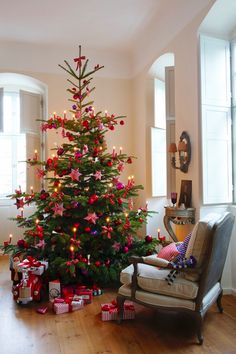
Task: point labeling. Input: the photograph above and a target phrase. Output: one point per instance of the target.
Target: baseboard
(229, 291)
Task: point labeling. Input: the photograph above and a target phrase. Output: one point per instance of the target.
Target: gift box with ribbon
(67, 305)
(85, 293)
(33, 265)
(110, 311)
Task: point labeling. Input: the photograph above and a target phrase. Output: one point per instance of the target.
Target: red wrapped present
(110, 311)
(67, 290)
(67, 305)
(85, 293)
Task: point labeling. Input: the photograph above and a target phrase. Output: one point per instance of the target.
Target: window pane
(160, 104)
(11, 112)
(20, 161)
(159, 179)
(6, 162)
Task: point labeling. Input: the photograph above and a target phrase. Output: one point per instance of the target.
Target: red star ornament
(91, 217)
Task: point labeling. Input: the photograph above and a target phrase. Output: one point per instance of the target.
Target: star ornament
(98, 175)
(19, 203)
(58, 209)
(75, 174)
(91, 217)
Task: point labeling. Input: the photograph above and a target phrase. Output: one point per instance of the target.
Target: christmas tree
(84, 222)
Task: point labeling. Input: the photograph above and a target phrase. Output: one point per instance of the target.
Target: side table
(178, 217)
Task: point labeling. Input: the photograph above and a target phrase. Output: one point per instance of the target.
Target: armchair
(194, 290)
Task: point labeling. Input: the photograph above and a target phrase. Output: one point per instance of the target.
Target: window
(216, 121)
(12, 146)
(19, 136)
(158, 142)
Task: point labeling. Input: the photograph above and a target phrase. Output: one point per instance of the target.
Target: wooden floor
(23, 331)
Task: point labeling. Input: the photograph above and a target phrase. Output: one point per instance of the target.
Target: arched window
(21, 104)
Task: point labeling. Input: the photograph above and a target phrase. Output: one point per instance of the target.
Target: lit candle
(74, 231)
(105, 113)
(22, 212)
(107, 219)
(54, 115)
(36, 154)
(129, 181)
(72, 251)
(64, 114)
(55, 190)
(10, 238)
(114, 151)
(88, 257)
(158, 233)
(31, 189)
(121, 150)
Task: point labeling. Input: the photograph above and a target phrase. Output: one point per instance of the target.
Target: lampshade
(172, 148)
(182, 146)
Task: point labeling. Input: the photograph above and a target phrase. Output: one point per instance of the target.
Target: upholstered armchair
(194, 290)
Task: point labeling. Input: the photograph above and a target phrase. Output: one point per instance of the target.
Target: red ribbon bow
(30, 262)
(79, 61)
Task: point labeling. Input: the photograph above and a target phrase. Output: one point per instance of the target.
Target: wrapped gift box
(33, 265)
(86, 294)
(39, 270)
(54, 289)
(65, 305)
(110, 311)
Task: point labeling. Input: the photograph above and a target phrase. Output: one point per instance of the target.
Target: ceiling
(103, 24)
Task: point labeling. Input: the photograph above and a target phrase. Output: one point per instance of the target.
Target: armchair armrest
(150, 260)
(156, 261)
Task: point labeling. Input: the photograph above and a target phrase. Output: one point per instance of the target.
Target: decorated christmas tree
(84, 222)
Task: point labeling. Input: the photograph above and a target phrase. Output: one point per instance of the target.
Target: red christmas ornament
(92, 199)
(60, 151)
(109, 163)
(129, 160)
(126, 249)
(97, 264)
(86, 124)
(87, 229)
(148, 238)
(122, 122)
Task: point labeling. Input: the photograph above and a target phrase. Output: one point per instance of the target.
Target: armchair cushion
(156, 299)
(153, 280)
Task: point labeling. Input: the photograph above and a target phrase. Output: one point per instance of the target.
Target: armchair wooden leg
(199, 323)
(120, 303)
(219, 304)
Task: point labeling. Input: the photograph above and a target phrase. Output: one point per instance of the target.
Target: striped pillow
(169, 252)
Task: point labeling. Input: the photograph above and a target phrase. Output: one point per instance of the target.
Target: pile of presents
(28, 286)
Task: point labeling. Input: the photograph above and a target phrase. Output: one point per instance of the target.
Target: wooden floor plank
(25, 331)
